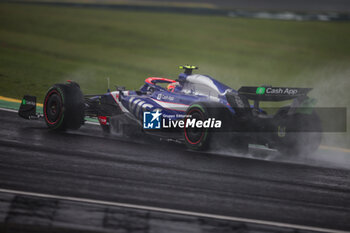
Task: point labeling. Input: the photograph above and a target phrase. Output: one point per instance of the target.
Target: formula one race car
(194, 109)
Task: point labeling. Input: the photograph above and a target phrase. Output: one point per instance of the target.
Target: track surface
(87, 164)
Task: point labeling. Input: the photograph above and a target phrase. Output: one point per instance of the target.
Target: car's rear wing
(269, 93)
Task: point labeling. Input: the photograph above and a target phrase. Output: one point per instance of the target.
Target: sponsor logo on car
(165, 97)
(138, 106)
(284, 91)
(27, 102)
(260, 90)
(271, 90)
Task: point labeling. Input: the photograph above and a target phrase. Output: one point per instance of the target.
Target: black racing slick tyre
(201, 138)
(298, 134)
(64, 107)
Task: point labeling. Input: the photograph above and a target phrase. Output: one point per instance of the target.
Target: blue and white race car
(194, 109)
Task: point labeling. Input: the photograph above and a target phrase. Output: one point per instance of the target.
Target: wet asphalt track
(87, 164)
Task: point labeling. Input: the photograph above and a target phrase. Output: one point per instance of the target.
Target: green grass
(43, 45)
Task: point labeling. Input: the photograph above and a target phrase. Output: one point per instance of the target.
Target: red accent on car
(115, 98)
(150, 80)
(171, 87)
(103, 120)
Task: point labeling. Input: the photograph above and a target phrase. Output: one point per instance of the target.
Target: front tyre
(64, 107)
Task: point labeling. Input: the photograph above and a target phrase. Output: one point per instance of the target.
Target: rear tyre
(64, 107)
(202, 138)
(298, 134)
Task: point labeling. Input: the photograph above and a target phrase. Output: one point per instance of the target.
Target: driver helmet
(171, 86)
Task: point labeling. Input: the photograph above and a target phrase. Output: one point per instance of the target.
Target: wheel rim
(194, 135)
(53, 107)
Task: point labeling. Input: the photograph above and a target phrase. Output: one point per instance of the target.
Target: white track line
(8, 110)
(171, 211)
(16, 111)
